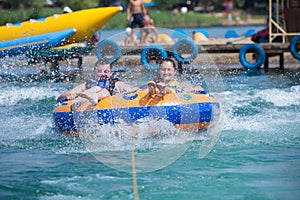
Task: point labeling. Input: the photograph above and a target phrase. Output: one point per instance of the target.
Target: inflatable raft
(84, 23)
(186, 111)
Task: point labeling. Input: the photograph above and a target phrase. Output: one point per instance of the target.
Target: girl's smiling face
(166, 71)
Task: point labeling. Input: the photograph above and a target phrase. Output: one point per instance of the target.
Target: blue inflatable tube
(152, 53)
(261, 56)
(293, 49)
(107, 48)
(182, 43)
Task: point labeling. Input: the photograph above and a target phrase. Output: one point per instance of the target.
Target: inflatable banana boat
(44, 33)
(186, 111)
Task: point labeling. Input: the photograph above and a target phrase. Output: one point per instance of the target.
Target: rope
(135, 188)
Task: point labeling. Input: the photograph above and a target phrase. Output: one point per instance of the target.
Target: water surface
(256, 157)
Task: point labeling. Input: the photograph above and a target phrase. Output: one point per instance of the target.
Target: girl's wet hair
(169, 60)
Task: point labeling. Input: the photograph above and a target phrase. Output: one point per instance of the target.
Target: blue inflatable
(250, 32)
(293, 49)
(204, 32)
(231, 34)
(152, 52)
(261, 56)
(108, 50)
(179, 34)
(182, 44)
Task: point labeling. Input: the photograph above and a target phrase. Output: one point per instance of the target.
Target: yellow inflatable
(164, 39)
(186, 111)
(85, 22)
(200, 37)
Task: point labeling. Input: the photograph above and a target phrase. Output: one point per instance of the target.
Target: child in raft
(165, 82)
(102, 85)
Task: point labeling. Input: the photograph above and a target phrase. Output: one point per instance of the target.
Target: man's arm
(144, 11)
(128, 11)
(71, 94)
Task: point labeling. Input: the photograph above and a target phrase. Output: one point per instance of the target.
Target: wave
(267, 116)
(11, 95)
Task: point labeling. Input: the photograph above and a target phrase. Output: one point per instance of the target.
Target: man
(102, 85)
(138, 12)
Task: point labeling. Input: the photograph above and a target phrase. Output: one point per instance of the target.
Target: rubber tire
(115, 48)
(178, 57)
(260, 52)
(292, 47)
(149, 49)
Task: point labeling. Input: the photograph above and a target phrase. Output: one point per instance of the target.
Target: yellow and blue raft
(186, 111)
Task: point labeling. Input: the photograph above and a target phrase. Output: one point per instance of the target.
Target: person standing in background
(228, 9)
(138, 10)
(148, 30)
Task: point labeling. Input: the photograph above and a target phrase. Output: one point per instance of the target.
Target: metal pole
(270, 20)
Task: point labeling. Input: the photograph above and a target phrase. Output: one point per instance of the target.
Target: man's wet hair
(102, 62)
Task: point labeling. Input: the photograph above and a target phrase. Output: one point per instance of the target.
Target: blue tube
(107, 46)
(261, 56)
(293, 49)
(182, 43)
(155, 51)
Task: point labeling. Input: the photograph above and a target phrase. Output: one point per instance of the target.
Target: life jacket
(174, 86)
(109, 84)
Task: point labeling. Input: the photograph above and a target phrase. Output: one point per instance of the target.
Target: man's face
(102, 72)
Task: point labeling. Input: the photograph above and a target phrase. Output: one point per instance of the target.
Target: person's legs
(132, 36)
(139, 21)
(142, 36)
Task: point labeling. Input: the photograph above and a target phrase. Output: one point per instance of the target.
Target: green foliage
(165, 4)
(13, 16)
(162, 18)
(168, 19)
(78, 4)
(37, 7)
(14, 4)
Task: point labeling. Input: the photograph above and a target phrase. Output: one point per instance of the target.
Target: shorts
(137, 19)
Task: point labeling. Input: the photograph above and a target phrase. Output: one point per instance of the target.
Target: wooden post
(281, 62)
(266, 64)
(80, 62)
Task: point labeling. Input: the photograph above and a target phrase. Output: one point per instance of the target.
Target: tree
(37, 6)
(78, 4)
(14, 4)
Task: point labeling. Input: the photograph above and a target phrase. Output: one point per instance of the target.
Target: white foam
(281, 98)
(12, 95)
(266, 119)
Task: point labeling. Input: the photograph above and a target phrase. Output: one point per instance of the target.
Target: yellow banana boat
(85, 22)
